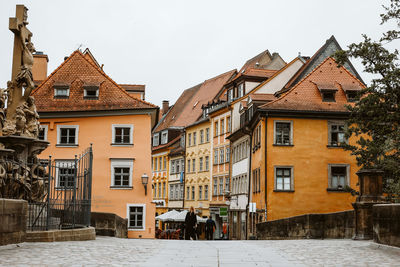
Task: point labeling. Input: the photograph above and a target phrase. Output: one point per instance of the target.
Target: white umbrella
(180, 217)
(167, 216)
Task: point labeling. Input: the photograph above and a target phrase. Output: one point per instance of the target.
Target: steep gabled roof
(187, 109)
(306, 96)
(77, 71)
(328, 49)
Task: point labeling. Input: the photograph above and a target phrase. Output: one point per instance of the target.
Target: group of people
(191, 227)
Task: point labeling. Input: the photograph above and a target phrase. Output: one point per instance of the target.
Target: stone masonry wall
(315, 226)
(386, 220)
(109, 224)
(13, 220)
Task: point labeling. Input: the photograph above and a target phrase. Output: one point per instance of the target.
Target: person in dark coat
(190, 224)
(210, 227)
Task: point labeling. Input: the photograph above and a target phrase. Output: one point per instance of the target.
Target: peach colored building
(80, 105)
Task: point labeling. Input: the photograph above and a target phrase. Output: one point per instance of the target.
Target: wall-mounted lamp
(145, 180)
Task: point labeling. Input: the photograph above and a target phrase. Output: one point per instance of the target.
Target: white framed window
(193, 165)
(215, 156)
(91, 92)
(201, 164)
(190, 139)
(226, 184)
(222, 127)
(200, 191)
(221, 185)
(207, 163)
(67, 135)
(228, 155)
(207, 135)
(201, 136)
(171, 191)
(164, 137)
(339, 176)
(156, 138)
(283, 178)
(215, 185)
(283, 133)
(65, 174)
(43, 130)
(194, 138)
(216, 128)
(206, 192)
(228, 120)
(61, 91)
(122, 134)
(221, 155)
(136, 214)
(336, 133)
(121, 173)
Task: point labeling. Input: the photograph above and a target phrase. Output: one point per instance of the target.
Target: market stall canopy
(167, 216)
(180, 217)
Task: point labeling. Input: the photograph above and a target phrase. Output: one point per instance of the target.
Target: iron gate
(67, 204)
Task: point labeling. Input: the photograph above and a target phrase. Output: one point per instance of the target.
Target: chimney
(165, 106)
(39, 68)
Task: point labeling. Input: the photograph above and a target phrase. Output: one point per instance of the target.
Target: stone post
(371, 189)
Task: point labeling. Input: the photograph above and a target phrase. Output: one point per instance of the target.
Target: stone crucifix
(21, 77)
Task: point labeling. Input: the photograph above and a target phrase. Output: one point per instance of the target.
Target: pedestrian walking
(210, 228)
(190, 224)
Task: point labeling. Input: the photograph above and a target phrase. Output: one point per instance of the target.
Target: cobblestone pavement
(108, 251)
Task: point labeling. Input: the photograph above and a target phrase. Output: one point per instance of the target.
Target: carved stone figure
(32, 118)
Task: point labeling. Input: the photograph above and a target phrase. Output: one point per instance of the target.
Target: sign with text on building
(223, 212)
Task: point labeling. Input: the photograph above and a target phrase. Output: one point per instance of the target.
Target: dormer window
(328, 92)
(156, 138)
(91, 92)
(328, 96)
(164, 137)
(352, 96)
(61, 91)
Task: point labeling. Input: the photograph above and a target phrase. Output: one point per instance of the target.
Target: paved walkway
(108, 251)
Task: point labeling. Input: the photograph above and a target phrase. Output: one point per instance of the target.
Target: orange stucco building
(80, 105)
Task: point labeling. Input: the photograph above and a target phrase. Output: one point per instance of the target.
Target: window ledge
(121, 144)
(336, 190)
(121, 187)
(91, 97)
(135, 229)
(282, 145)
(283, 191)
(333, 146)
(67, 145)
(64, 188)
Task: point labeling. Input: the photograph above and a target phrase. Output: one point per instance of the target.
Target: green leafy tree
(375, 118)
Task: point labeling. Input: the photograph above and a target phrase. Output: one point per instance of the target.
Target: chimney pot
(165, 106)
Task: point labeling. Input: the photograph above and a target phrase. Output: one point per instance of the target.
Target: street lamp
(145, 180)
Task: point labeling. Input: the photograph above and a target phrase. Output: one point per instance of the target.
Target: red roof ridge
(220, 75)
(101, 72)
(54, 71)
(305, 77)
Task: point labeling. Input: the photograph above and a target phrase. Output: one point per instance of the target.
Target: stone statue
(32, 118)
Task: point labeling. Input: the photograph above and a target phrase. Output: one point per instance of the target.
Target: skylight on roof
(195, 104)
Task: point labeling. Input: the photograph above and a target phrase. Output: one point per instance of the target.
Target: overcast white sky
(173, 45)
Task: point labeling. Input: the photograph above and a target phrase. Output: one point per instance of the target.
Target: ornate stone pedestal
(371, 189)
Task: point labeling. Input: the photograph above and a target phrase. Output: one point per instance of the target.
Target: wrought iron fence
(58, 191)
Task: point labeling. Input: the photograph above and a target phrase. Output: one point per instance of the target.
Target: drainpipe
(249, 187)
(265, 168)
(184, 170)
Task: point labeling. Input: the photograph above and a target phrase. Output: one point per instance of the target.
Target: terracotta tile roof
(133, 87)
(262, 97)
(305, 95)
(331, 45)
(77, 71)
(187, 108)
(154, 148)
